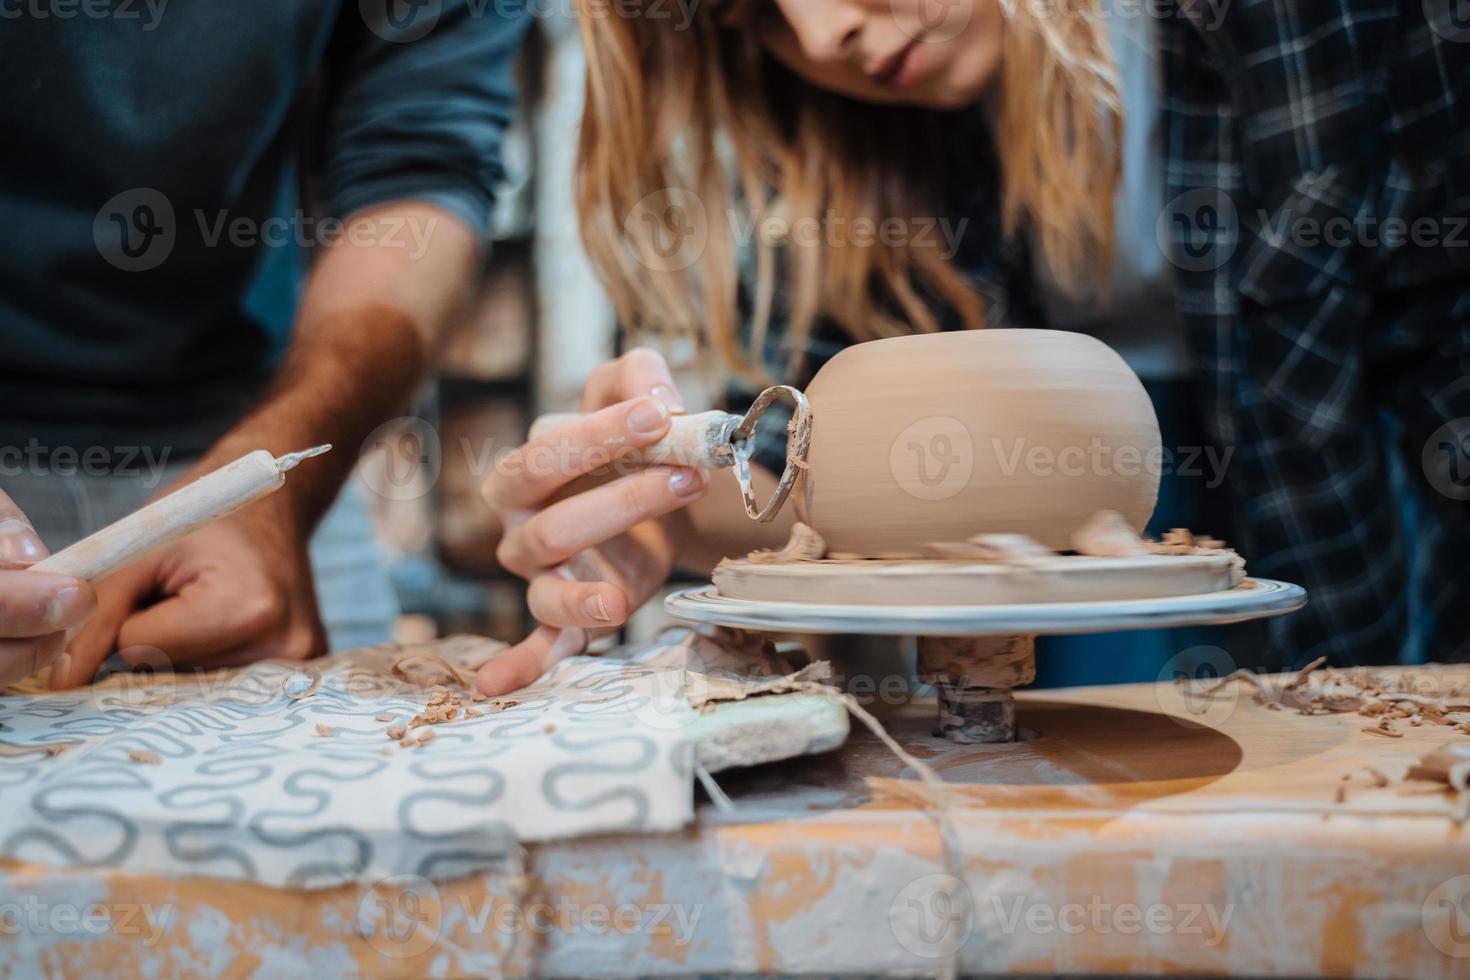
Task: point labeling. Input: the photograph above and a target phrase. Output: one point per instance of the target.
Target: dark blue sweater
(142, 147)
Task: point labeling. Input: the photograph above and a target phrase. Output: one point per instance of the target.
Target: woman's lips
(903, 67)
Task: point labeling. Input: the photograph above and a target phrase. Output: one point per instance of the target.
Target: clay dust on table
(1333, 691)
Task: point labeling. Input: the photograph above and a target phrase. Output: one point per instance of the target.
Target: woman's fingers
(37, 604)
(531, 474)
(558, 601)
(555, 534)
(529, 659)
(641, 371)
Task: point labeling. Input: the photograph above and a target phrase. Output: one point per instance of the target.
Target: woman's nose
(827, 30)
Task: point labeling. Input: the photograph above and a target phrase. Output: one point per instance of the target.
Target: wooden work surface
(1133, 831)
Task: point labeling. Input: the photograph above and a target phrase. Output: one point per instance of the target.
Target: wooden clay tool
(166, 520)
(717, 440)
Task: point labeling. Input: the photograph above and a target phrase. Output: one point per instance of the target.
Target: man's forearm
(375, 308)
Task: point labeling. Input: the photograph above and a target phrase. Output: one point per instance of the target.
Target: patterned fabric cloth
(1317, 202)
(228, 775)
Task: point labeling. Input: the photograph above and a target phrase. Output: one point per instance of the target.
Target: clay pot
(939, 437)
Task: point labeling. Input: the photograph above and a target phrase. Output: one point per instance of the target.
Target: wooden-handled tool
(718, 440)
(705, 440)
(166, 520)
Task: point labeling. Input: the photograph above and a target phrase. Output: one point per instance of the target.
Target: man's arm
(241, 589)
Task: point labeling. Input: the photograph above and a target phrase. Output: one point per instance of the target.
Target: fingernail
(685, 483)
(649, 415)
(669, 397)
(19, 543)
(596, 608)
(68, 606)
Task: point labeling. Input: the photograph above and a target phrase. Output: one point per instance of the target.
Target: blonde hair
(686, 124)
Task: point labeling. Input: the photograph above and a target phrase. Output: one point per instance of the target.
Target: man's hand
(242, 590)
(36, 610)
(234, 592)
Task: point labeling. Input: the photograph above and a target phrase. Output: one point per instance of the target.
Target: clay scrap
(805, 544)
(1107, 534)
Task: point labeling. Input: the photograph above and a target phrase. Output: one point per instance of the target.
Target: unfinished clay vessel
(939, 437)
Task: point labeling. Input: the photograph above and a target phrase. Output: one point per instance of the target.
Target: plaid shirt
(1317, 179)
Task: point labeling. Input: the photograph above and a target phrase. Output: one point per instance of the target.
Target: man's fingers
(117, 596)
(20, 545)
(20, 659)
(519, 666)
(555, 601)
(641, 371)
(234, 617)
(568, 527)
(37, 604)
(534, 472)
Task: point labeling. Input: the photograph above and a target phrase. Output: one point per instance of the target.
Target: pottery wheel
(1061, 578)
(1252, 599)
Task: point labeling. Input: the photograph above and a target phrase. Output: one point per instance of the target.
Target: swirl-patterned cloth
(229, 775)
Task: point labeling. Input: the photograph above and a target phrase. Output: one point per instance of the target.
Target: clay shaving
(144, 757)
(1388, 701)
(1107, 534)
(805, 544)
(404, 667)
(444, 706)
(48, 749)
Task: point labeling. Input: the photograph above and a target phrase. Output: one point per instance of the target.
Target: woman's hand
(592, 551)
(36, 610)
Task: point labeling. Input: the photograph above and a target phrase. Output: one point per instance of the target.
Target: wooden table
(1134, 831)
